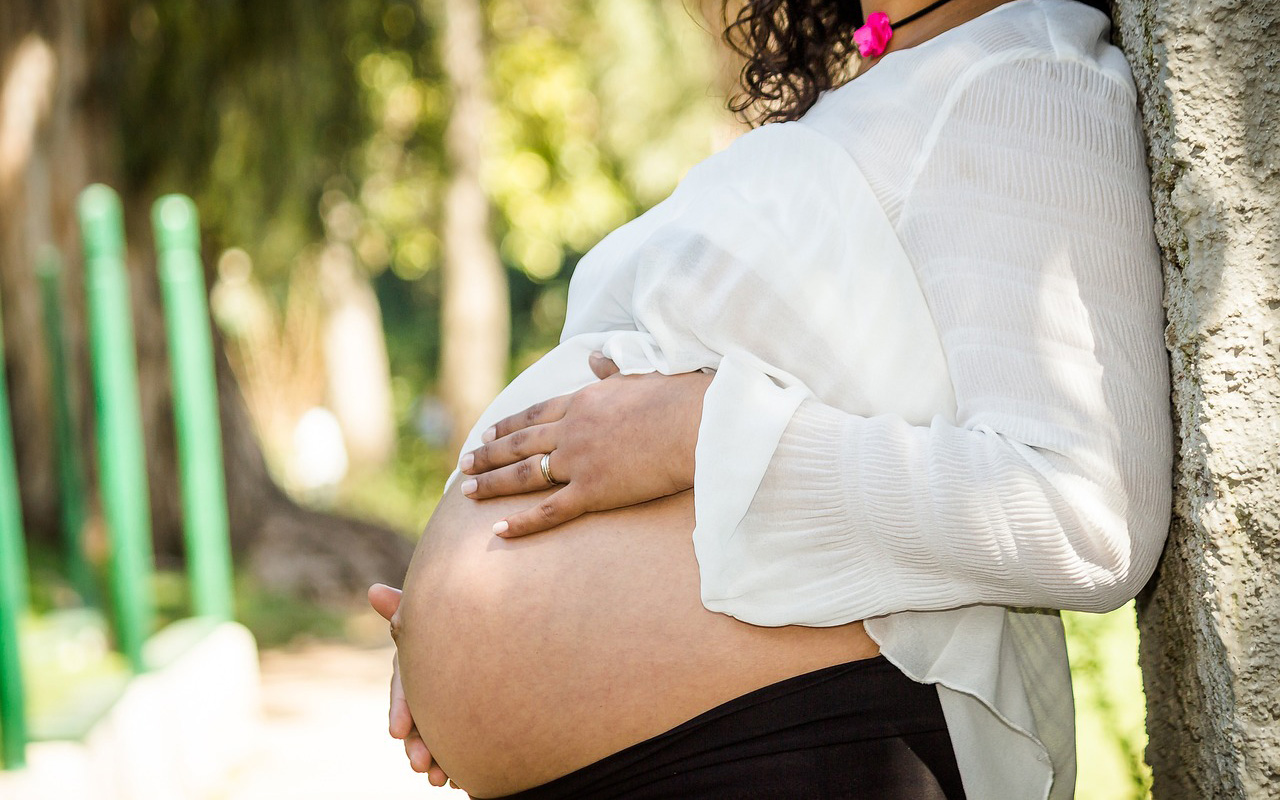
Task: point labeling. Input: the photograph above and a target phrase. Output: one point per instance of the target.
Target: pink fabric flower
(872, 37)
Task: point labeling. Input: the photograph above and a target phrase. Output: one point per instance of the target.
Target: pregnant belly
(525, 659)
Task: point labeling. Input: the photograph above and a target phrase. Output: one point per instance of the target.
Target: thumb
(384, 599)
(602, 366)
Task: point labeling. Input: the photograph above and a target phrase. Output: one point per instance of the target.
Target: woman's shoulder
(1020, 32)
(1022, 75)
(772, 164)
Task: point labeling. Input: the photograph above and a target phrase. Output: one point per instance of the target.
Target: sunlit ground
(323, 732)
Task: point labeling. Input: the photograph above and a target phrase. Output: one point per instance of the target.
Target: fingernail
(489, 434)
(467, 462)
(500, 527)
(469, 487)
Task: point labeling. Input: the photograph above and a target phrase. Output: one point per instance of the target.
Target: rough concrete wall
(1208, 73)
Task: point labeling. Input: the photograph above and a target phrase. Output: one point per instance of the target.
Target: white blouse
(940, 403)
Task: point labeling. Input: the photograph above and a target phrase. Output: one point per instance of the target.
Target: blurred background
(392, 198)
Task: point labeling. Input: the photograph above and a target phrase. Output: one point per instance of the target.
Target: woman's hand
(622, 441)
(386, 601)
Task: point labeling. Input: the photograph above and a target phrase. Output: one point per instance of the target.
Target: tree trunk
(57, 129)
(475, 340)
(355, 359)
(323, 557)
(1208, 75)
(40, 65)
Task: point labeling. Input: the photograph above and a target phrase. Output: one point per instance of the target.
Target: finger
(602, 365)
(436, 776)
(399, 718)
(509, 449)
(555, 509)
(384, 599)
(420, 760)
(417, 753)
(519, 478)
(536, 414)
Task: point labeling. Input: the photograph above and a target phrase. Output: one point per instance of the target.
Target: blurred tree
(475, 311)
(599, 108)
(297, 126)
(264, 153)
(125, 92)
(40, 65)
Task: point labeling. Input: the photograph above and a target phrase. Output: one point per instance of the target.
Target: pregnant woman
(829, 435)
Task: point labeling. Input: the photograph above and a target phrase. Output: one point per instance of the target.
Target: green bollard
(13, 593)
(70, 468)
(195, 395)
(121, 464)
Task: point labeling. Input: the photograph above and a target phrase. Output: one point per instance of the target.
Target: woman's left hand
(622, 441)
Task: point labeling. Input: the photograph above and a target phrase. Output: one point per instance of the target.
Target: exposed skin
(386, 601)
(655, 460)
(526, 658)
(622, 441)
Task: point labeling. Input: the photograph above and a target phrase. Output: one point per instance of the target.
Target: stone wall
(1208, 76)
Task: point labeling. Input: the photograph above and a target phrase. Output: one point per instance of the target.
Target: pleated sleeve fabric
(1028, 224)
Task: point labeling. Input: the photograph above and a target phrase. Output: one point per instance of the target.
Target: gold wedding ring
(545, 464)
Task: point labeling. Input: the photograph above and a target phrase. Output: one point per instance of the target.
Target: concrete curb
(176, 733)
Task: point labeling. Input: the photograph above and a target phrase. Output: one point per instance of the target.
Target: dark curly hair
(795, 50)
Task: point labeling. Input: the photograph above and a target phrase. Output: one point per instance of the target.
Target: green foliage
(251, 107)
(277, 619)
(1110, 709)
(292, 122)
(600, 114)
(598, 108)
(404, 494)
(70, 673)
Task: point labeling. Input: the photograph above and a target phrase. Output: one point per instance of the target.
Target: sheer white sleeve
(1028, 224)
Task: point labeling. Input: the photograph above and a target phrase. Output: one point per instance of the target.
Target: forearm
(857, 517)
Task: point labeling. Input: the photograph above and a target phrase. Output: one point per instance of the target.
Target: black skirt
(857, 730)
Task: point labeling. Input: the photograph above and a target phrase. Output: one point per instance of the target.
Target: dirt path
(324, 731)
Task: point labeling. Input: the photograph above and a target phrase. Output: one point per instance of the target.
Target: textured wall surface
(1208, 73)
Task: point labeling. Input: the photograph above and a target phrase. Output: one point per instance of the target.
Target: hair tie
(872, 37)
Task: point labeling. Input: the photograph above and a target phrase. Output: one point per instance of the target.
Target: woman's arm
(386, 601)
(1030, 228)
(1030, 231)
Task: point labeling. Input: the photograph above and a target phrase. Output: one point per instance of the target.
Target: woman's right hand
(386, 601)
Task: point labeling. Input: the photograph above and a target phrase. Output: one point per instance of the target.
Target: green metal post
(121, 464)
(13, 592)
(67, 440)
(195, 394)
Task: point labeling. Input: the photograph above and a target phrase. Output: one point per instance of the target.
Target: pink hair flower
(872, 37)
